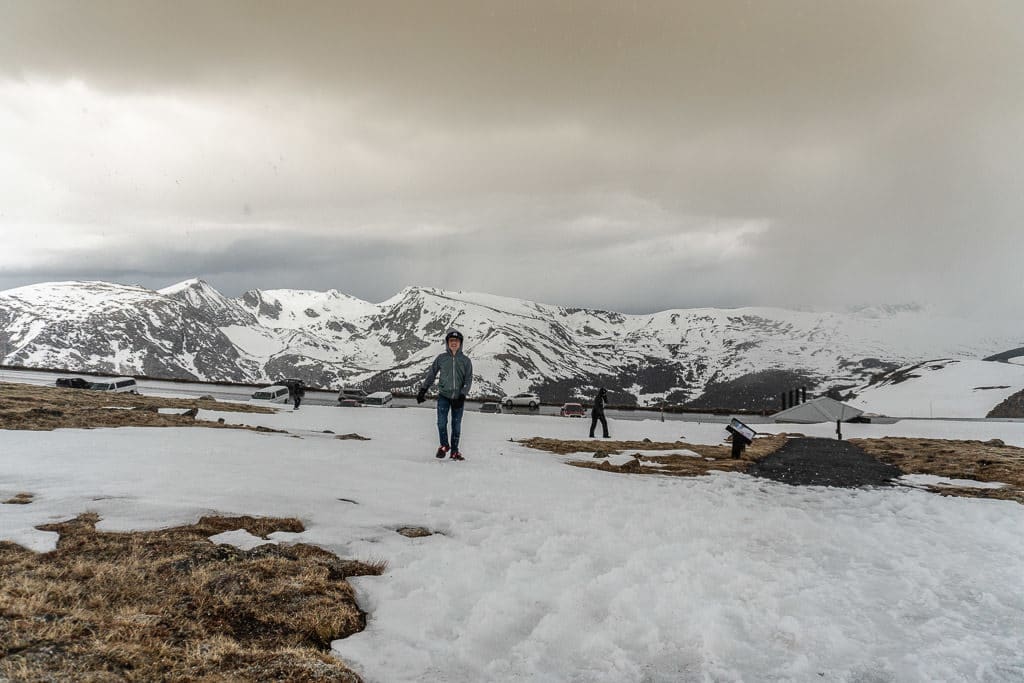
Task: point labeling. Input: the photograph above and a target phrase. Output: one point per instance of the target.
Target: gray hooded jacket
(454, 374)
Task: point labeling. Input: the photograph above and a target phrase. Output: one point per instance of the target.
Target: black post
(784, 400)
(839, 430)
(803, 394)
(792, 397)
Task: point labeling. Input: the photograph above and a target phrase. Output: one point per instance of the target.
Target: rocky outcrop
(1012, 407)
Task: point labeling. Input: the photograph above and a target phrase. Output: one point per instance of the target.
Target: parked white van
(275, 393)
(121, 385)
(380, 399)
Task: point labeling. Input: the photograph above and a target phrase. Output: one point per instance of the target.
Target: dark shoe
(607, 436)
(457, 456)
(441, 452)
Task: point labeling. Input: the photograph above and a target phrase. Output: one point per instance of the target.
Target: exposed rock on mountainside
(1011, 407)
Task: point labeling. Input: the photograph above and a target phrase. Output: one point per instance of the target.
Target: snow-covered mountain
(117, 329)
(737, 358)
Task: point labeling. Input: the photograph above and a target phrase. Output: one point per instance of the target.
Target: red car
(572, 410)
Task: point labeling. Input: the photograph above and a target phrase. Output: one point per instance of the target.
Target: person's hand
(459, 402)
(421, 396)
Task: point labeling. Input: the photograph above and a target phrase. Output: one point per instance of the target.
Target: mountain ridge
(704, 357)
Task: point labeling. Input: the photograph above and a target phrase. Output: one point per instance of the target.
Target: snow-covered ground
(944, 388)
(544, 572)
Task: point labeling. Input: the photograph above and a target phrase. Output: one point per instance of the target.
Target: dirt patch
(712, 458)
(35, 408)
(988, 461)
(171, 605)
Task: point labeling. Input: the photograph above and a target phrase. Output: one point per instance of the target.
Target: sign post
(742, 436)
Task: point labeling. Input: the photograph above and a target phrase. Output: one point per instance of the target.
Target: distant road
(229, 392)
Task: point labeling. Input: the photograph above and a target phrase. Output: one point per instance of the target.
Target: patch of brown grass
(989, 461)
(22, 498)
(352, 437)
(171, 605)
(721, 459)
(36, 408)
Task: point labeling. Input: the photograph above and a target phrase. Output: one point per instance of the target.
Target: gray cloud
(603, 154)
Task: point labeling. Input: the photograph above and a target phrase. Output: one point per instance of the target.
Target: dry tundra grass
(713, 458)
(21, 498)
(170, 605)
(990, 461)
(23, 406)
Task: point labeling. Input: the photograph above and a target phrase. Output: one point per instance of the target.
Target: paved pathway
(824, 462)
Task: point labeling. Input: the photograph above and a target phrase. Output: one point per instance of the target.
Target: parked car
(349, 403)
(275, 393)
(353, 393)
(529, 400)
(490, 407)
(572, 410)
(74, 382)
(380, 399)
(121, 385)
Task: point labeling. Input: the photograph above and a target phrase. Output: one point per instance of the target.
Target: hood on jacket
(453, 333)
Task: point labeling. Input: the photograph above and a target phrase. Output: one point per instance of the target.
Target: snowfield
(544, 572)
(944, 388)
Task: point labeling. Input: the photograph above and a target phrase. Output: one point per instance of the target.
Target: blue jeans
(444, 404)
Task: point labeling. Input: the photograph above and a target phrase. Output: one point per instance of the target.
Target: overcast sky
(635, 156)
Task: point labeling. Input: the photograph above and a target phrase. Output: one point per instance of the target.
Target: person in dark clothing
(454, 373)
(298, 391)
(597, 413)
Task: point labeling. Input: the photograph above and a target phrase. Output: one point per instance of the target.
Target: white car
(531, 401)
(122, 385)
(381, 399)
(272, 394)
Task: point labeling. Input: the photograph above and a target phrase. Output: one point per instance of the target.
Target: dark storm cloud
(624, 155)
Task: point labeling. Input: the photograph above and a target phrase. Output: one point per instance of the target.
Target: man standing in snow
(597, 413)
(454, 372)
